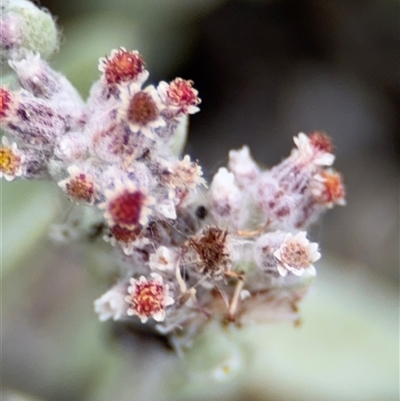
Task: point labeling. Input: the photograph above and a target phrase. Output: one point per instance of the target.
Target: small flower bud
(264, 249)
(37, 77)
(34, 121)
(226, 200)
(37, 29)
(10, 33)
(163, 260)
(182, 176)
(242, 165)
(72, 147)
(315, 148)
(112, 304)
(115, 142)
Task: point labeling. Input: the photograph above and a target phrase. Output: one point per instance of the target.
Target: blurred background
(265, 70)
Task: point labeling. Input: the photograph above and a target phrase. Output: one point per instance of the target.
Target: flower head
(142, 109)
(148, 298)
(123, 67)
(212, 252)
(297, 254)
(80, 186)
(328, 188)
(181, 95)
(10, 160)
(185, 174)
(126, 206)
(315, 148)
(320, 141)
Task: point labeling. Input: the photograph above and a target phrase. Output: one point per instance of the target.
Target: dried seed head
(212, 252)
(80, 186)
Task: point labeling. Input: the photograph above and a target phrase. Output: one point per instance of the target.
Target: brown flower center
(123, 67)
(80, 188)
(295, 255)
(122, 234)
(181, 93)
(321, 141)
(148, 298)
(142, 109)
(334, 189)
(126, 208)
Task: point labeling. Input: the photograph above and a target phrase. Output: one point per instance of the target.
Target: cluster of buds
(235, 251)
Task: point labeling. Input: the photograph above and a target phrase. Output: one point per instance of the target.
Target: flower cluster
(186, 252)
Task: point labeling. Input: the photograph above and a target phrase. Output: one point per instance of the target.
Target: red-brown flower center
(334, 189)
(122, 234)
(181, 93)
(148, 298)
(321, 141)
(81, 187)
(123, 67)
(142, 109)
(126, 209)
